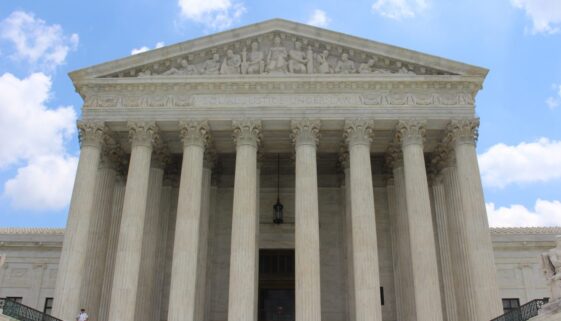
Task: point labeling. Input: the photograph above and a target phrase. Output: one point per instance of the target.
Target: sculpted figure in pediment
(146, 72)
(367, 67)
(231, 64)
(404, 70)
(184, 69)
(276, 60)
(323, 64)
(298, 59)
(254, 63)
(212, 66)
(345, 65)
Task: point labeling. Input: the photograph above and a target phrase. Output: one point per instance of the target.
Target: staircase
(22, 312)
(523, 313)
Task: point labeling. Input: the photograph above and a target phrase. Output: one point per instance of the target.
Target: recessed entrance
(276, 285)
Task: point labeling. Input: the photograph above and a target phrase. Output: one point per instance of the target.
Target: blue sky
(520, 105)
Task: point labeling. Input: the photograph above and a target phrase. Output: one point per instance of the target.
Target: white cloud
(37, 137)
(44, 183)
(545, 14)
(35, 42)
(214, 14)
(554, 101)
(142, 49)
(537, 161)
(399, 9)
(319, 19)
(545, 213)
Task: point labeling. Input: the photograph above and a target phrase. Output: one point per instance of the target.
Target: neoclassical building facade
(369, 147)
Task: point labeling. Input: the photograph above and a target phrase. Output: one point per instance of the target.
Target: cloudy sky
(520, 105)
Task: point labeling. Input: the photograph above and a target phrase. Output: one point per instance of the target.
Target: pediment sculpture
(277, 54)
(551, 266)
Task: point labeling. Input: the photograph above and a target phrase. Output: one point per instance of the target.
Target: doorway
(276, 285)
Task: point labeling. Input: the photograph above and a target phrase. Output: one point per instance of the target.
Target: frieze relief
(204, 100)
(276, 54)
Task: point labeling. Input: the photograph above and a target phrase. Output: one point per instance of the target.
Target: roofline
(278, 25)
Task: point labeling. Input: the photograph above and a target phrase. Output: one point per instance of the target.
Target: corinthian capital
(442, 157)
(247, 132)
(91, 133)
(143, 133)
(358, 132)
(305, 132)
(394, 156)
(194, 133)
(410, 132)
(463, 131)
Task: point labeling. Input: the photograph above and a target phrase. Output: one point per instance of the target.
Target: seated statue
(298, 60)
(345, 65)
(212, 66)
(231, 64)
(184, 69)
(276, 60)
(254, 64)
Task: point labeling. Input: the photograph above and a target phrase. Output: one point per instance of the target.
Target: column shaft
(203, 246)
(92, 283)
(73, 256)
(349, 243)
(390, 190)
(112, 239)
(368, 306)
(129, 248)
(426, 285)
(306, 234)
(184, 271)
(242, 297)
(487, 299)
(147, 274)
(447, 279)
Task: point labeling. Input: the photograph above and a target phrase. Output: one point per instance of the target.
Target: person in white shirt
(83, 316)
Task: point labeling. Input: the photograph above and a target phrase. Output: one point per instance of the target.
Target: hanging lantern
(277, 208)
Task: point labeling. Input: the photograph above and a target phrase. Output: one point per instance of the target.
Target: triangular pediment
(277, 47)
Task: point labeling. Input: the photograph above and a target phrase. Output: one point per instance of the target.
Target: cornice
(31, 230)
(554, 230)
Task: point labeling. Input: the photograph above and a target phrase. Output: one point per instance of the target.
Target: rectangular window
(510, 304)
(382, 294)
(18, 299)
(48, 306)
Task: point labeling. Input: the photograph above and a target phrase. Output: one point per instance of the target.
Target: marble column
(399, 221)
(145, 304)
(462, 135)
(200, 296)
(73, 255)
(92, 283)
(161, 256)
(345, 163)
(358, 135)
(242, 298)
(143, 136)
(112, 239)
(305, 136)
(184, 270)
(442, 215)
(425, 285)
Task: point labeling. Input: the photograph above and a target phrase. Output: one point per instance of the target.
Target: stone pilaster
(92, 282)
(484, 297)
(145, 304)
(209, 160)
(73, 255)
(423, 252)
(346, 166)
(358, 135)
(401, 245)
(242, 299)
(143, 136)
(305, 136)
(112, 239)
(448, 294)
(184, 271)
